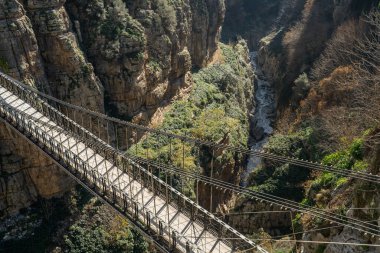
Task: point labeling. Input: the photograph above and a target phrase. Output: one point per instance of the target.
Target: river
(263, 115)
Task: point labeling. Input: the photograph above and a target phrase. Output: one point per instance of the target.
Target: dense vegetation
(217, 107)
(97, 230)
(74, 223)
(285, 180)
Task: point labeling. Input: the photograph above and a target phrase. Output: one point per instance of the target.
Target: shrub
(297, 223)
(166, 11)
(321, 249)
(4, 65)
(300, 89)
(350, 158)
(213, 123)
(356, 149)
(326, 180)
(81, 240)
(283, 179)
(340, 159)
(119, 23)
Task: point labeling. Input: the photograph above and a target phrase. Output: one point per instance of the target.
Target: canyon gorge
(294, 78)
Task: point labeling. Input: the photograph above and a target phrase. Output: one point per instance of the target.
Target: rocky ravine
(126, 59)
(263, 115)
(286, 51)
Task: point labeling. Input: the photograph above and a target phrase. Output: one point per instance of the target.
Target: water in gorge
(263, 115)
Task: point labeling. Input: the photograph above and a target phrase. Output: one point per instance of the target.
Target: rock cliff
(25, 174)
(249, 216)
(143, 52)
(289, 35)
(294, 46)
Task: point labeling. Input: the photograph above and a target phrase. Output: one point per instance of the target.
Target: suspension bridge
(95, 150)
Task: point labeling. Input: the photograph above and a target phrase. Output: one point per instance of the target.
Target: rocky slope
(24, 179)
(253, 20)
(126, 58)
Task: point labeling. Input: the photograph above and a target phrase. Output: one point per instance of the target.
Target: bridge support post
(179, 202)
(84, 170)
(113, 194)
(125, 202)
(193, 215)
(174, 240)
(148, 219)
(103, 186)
(160, 229)
(188, 249)
(136, 210)
(93, 178)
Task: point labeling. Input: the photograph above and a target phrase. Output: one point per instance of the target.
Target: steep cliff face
(293, 48)
(289, 35)
(248, 216)
(71, 77)
(253, 20)
(143, 52)
(25, 174)
(19, 52)
(128, 58)
(362, 202)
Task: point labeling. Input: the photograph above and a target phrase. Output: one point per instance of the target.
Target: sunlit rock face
(143, 51)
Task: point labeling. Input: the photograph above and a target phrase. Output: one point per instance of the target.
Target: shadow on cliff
(305, 41)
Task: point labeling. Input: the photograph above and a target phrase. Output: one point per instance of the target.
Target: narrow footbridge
(171, 220)
(103, 155)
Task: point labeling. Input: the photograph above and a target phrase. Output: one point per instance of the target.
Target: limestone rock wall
(25, 174)
(143, 51)
(71, 77)
(364, 202)
(19, 52)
